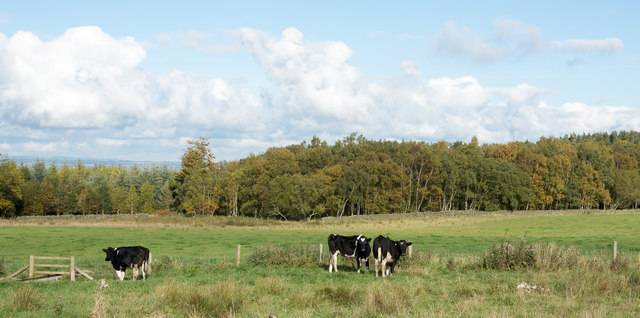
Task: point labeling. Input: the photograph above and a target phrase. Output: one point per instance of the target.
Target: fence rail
(72, 268)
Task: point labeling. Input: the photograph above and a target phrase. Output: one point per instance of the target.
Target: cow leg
(358, 262)
(120, 274)
(367, 263)
(144, 270)
(384, 265)
(377, 260)
(330, 262)
(333, 262)
(135, 271)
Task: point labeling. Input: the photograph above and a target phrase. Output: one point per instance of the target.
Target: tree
(503, 186)
(11, 182)
(146, 198)
(132, 200)
(195, 189)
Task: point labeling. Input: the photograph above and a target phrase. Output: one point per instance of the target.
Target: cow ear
(104, 250)
(368, 240)
(409, 244)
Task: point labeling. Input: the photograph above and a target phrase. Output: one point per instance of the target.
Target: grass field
(195, 274)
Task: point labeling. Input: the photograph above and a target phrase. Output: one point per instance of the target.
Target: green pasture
(455, 235)
(196, 255)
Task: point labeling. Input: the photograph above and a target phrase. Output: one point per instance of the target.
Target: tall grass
(547, 256)
(24, 298)
(285, 255)
(222, 299)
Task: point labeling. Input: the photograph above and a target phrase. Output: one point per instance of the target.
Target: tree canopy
(354, 176)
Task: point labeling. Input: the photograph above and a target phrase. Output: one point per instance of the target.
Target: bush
(291, 256)
(506, 256)
(164, 263)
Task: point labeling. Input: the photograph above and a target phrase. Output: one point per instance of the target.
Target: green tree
(146, 198)
(11, 183)
(195, 190)
(132, 200)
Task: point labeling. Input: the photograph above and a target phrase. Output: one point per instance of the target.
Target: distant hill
(30, 160)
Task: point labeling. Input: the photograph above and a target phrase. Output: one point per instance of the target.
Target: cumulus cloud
(85, 92)
(314, 78)
(82, 79)
(410, 107)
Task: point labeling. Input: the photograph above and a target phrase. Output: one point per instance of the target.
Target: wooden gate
(61, 268)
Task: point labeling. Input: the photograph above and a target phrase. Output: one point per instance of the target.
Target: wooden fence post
(238, 256)
(410, 251)
(31, 266)
(73, 268)
(615, 252)
(320, 257)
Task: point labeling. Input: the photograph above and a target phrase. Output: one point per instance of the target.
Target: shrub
(164, 263)
(506, 256)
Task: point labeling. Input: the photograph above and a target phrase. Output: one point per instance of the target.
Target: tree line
(354, 176)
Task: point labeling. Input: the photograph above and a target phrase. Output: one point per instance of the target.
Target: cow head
(362, 242)
(402, 245)
(110, 253)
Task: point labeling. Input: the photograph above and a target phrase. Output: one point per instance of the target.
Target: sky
(137, 80)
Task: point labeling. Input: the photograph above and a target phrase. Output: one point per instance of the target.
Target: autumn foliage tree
(195, 192)
(353, 176)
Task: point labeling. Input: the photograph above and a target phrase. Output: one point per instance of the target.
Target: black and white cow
(135, 257)
(386, 251)
(349, 246)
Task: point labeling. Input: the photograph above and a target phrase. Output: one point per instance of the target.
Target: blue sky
(136, 79)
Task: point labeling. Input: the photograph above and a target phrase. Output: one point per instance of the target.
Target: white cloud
(82, 79)
(509, 37)
(187, 98)
(44, 147)
(610, 45)
(89, 91)
(465, 42)
(110, 142)
(410, 68)
(315, 78)
(526, 37)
